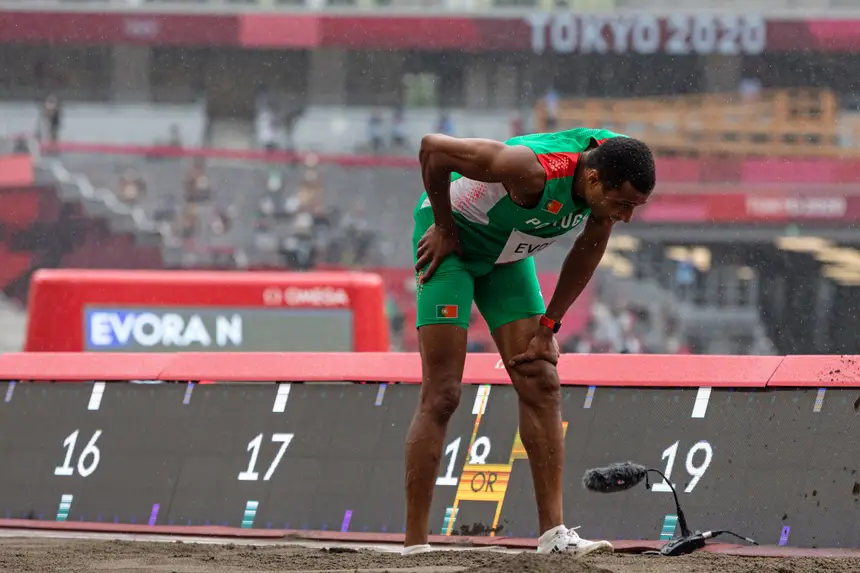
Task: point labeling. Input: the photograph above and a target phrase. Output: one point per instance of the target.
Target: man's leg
(510, 299)
(443, 306)
(537, 386)
(443, 354)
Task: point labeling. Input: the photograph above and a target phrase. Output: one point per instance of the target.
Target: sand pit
(48, 555)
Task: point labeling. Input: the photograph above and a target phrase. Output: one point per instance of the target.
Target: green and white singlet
(499, 238)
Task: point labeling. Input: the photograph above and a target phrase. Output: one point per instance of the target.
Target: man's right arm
(516, 167)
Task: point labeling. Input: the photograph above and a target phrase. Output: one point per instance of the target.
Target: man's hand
(542, 346)
(436, 244)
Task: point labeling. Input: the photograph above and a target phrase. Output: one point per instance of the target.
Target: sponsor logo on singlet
(521, 246)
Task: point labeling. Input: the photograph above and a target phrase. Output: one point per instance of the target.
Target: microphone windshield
(616, 477)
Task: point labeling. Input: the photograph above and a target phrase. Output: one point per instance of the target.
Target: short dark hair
(621, 159)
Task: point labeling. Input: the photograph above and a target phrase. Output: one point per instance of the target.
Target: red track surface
(227, 533)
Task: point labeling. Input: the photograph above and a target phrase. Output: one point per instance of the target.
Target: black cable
(711, 534)
(682, 520)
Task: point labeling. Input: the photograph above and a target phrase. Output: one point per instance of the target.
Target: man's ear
(592, 175)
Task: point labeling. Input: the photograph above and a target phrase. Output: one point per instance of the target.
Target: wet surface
(55, 555)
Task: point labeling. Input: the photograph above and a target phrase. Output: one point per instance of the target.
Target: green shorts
(502, 293)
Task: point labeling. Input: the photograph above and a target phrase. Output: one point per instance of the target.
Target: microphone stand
(688, 542)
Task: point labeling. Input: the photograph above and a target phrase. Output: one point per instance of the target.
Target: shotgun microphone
(625, 475)
(614, 478)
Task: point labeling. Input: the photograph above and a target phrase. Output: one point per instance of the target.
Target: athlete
(488, 207)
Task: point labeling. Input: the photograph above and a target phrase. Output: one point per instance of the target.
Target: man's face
(616, 204)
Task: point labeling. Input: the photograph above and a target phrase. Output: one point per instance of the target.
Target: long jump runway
(57, 551)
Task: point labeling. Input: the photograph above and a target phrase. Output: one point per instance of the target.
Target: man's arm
(516, 167)
(579, 266)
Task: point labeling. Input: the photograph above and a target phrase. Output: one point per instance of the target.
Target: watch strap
(553, 325)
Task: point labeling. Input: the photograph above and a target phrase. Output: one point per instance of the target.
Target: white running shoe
(563, 540)
(415, 549)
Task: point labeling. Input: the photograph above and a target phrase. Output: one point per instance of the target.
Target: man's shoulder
(570, 140)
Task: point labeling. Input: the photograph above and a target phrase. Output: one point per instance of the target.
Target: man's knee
(440, 398)
(537, 383)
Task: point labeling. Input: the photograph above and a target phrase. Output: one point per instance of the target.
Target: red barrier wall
(582, 369)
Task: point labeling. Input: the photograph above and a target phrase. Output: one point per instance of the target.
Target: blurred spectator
(132, 187)
(266, 129)
(396, 320)
(20, 145)
(374, 132)
(167, 209)
(398, 130)
(445, 125)
(274, 181)
(175, 139)
(311, 187)
(198, 188)
(50, 119)
(221, 222)
(298, 249)
(276, 202)
(517, 125)
(189, 223)
(265, 239)
(685, 277)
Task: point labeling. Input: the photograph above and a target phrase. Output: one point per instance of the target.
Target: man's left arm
(579, 266)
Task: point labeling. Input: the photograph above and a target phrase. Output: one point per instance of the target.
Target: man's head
(619, 176)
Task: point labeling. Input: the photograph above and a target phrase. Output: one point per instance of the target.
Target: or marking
(65, 507)
(701, 405)
(153, 517)
(670, 522)
(819, 400)
(281, 398)
(250, 513)
(450, 518)
(589, 397)
(188, 390)
(480, 405)
(96, 396)
(347, 517)
(9, 392)
(783, 537)
(380, 394)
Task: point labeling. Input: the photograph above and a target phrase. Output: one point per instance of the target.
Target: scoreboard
(205, 311)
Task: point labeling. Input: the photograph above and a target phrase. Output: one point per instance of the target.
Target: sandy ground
(39, 555)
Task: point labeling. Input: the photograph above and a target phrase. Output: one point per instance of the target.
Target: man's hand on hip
(436, 244)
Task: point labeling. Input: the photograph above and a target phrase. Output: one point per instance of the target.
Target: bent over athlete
(488, 207)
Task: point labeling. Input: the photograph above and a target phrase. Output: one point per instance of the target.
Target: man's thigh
(509, 293)
(447, 297)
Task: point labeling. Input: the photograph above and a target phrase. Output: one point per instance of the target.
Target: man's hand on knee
(542, 346)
